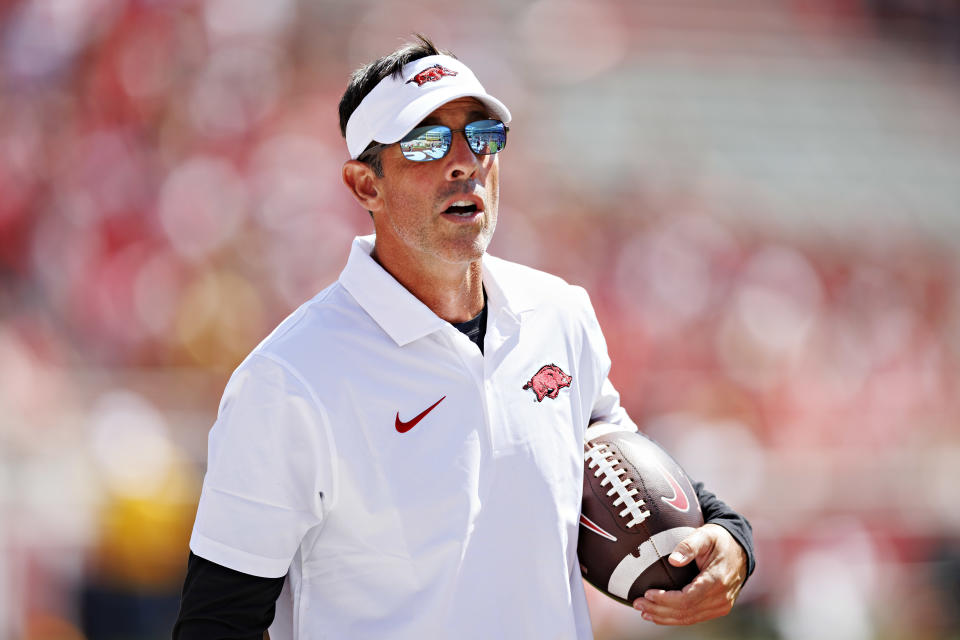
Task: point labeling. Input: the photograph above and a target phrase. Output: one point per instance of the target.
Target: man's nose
(462, 162)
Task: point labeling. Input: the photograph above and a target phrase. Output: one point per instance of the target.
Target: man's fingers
(712, 592)
(689, 548)
(691, 595)
(680, 608)
(680, 557)
(669, 616)
(682, 554)
(702, 599)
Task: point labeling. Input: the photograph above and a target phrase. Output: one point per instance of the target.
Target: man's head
(390, 96)
(422, 133)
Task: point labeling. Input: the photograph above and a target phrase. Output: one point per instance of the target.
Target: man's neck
(452, 291)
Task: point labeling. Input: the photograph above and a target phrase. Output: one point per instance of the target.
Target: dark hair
(368, 76)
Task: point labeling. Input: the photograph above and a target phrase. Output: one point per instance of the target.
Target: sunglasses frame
(378, 146)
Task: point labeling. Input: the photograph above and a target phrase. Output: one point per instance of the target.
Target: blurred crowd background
(762, 197)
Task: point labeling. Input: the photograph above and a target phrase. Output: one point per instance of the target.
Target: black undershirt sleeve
(716, 511)
(222, 604)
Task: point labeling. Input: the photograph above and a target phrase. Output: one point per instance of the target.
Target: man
(380, 466)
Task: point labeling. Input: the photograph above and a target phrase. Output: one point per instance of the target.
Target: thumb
(686, 550)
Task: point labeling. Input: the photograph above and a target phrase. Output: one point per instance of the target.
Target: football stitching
(662, 560)
(598, 455)
(614, 475)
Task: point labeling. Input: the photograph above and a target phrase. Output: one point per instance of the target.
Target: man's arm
(717, 512)
(222, 604)
(723, 550)
(268, 470)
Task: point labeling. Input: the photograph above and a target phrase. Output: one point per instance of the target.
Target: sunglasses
(432, 142)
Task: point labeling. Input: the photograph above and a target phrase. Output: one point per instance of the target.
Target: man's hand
(723, 568)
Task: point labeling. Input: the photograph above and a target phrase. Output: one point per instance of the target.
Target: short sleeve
(605, 406)
(269, 473)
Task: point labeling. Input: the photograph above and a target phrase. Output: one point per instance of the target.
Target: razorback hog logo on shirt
(431, 74)
(547, 382)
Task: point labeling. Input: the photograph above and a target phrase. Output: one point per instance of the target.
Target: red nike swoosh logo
(403, 427)
(679, 500)
(597, 529)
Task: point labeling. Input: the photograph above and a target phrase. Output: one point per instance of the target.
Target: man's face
(416, 219)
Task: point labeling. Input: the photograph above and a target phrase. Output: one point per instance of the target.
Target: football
(637, 505)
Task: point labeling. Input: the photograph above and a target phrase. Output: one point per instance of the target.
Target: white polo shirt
(395, 515)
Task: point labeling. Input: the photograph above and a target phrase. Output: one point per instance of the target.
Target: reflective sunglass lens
(426, 143)
(486, 136)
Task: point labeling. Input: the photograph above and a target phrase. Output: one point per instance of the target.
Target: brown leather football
(637, 505)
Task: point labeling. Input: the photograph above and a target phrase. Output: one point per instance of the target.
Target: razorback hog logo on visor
(547, 382)
(431, 74)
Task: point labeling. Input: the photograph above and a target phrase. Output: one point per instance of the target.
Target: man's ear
(362, 183)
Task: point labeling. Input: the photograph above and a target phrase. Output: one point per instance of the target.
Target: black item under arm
(716, 511)
(222, 604)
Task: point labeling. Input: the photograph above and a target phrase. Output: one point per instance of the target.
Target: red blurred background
(763, 199)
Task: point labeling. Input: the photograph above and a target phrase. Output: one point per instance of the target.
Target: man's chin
(470, 250)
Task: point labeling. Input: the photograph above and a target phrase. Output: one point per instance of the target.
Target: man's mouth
(461, 208)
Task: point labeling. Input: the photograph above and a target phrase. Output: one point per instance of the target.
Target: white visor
(397, 105)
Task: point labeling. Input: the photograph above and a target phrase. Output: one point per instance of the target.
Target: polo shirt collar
(505, 290)
(399, 313)
(396, 310)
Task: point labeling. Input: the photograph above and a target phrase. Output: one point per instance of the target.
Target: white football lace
(597, 455)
